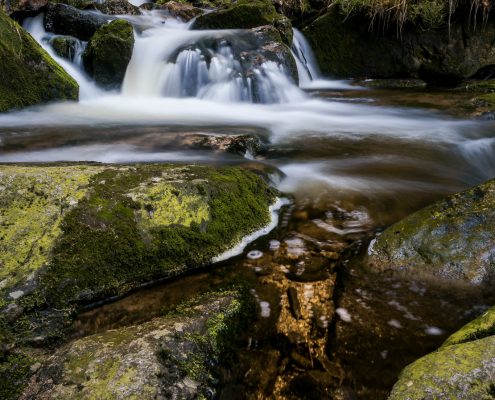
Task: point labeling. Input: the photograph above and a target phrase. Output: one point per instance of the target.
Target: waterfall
(87, 88)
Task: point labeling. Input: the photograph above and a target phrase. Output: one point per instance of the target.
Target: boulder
(347, 46)
(185, 12)
(246, 14)
(65, 46)
(452, 240)
(171, 357)
(15, 7)
(462, 369)
(29, 75)
(108, 53)
(63, 19)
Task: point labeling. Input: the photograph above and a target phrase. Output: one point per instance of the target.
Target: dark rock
(345, 46)
(65, 46)
(451, 240)
(22, 7)
(108, 53)
(28, 74)
(67, 20)
(295, 306)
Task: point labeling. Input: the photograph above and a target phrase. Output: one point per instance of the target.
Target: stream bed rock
(29, 75)
(452, 240)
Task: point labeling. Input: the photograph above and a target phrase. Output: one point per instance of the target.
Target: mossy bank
(76, 234)
(29, 75)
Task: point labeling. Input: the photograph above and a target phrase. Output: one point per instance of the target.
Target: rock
(462, 369)
(451, 240)
(346, 47)
(301, 12)
(312, 385)
(67, 20)
(168, 357)
(236, 144)
(29, 75)
(22, 7)
(117, 7)
(108, 53)
(295, 306)
(246, 14)
(185, 12)
(65, 46)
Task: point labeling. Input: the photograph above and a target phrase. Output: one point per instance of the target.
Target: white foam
(434, 331)
(343, 314)
(265, 309)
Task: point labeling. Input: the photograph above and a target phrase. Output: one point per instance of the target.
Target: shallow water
(354, 160)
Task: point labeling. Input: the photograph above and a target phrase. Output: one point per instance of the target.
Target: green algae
(29, 75)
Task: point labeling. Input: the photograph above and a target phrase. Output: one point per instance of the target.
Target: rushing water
(353, 167)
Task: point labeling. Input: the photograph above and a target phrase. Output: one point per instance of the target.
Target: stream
(353, 160)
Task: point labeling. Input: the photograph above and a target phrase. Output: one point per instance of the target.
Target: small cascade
(173, 62)
(87, 89)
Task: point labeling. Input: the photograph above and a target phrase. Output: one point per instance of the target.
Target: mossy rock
(451, 240)
(65, 46)
(108, 53)
(462, 369)
(246, 14)
(175, 356)
(29, 75)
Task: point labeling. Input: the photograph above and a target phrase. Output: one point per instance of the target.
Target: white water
(174, 80)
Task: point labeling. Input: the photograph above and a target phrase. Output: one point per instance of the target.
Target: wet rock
(345, 47)
(29, 75)
(236, 144)
(295, 306)
(22, 7)
(159, 359)
(481, 327)
(65, 46)
(185, 12)
(108, 53)
(63, 19)
(451, 240)
(116, 7)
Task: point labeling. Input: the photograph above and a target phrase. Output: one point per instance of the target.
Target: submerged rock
(345, 46)
(245, 15)
(63, 19)
(172, 357)
(108, 53)
(451, 240)
(462, 369)
(28, 74)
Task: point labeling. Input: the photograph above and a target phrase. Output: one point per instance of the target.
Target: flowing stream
(353, 167)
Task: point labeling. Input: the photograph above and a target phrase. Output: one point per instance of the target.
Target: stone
(29, 75)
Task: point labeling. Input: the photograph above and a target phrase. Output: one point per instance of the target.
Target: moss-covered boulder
(65, 46)
(349, 45)
(246, 14)
(63, 19)
(172, 357)
(462, 369)
(29, 75)
(451, 240)
(108, 53)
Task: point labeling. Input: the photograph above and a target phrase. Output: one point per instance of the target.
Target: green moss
(481, 327)
(108, 53)
(463, 371)
(14, 372)
(29, 74)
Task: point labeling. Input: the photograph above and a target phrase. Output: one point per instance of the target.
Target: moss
(481, 327)
(14, 373)
(108, 53)
(29, 75)
(463, 371)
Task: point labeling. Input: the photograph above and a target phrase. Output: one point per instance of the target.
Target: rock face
(108, 53)
(347, 47)
(245, 15)
(452, 240)
(171, 357)
(67, 20)
(29, 75)
(462, 369)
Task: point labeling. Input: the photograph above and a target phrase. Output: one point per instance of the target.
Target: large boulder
(29, 75)
(108, 53)
(452, 240)
(462, 369)
(63, 19)
(246, 14)
(171, 357)
(347, 46)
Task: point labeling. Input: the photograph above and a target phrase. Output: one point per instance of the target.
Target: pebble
(17, 294)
